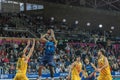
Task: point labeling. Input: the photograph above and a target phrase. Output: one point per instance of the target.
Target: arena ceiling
(112, 5)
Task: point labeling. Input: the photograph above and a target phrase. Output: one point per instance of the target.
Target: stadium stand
(17, 28)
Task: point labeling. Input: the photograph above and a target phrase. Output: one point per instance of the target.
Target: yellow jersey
(21, 66)
(76, 71)
(21, 70)
(101, 63)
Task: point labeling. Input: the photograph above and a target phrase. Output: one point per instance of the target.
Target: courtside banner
(116, 73)
(6, 76)
(11, 76)
(44, 75)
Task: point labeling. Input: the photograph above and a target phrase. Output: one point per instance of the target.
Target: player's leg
(51, 67)
(42, 63)
(16, 76)
(100, 78)
(24, 77)
(75, 77)
(92, 76)
(51, 71)
(108, 77)
(40, 71)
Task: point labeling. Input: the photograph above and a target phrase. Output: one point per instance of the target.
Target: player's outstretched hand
(98, 70)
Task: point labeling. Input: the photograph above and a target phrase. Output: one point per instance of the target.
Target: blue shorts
(47, 60)
(90, 78)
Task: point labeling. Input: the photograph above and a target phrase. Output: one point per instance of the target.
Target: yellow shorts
(75, 77)
(106, 77)
(20, 76)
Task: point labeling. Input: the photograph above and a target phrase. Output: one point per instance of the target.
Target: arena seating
(12, 42)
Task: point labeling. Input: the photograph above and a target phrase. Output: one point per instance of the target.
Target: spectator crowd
(65, 54)
(37, 24)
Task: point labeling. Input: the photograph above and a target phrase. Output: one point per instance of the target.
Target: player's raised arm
(25, 49)
(73, 65)
(43, 39)
(53, 36)
(31, 50)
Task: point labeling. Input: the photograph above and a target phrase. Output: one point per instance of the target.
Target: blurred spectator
(67, 48)
(12, 69)
(12, 59)
(6, 68)
(58, 69)
(86, 47)
(1, 62)
(67, 63)
(9, 54)
(29, 69)
(45, 70)
(5, 59)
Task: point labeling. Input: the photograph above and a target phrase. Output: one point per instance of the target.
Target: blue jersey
(49, 52)
(49, 48)
(89, 68)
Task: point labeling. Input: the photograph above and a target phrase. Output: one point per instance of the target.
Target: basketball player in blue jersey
(47, 60)
(90, 70)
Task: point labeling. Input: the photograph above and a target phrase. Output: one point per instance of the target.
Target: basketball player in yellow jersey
(103, 67)
(22, 62)
(75, 70)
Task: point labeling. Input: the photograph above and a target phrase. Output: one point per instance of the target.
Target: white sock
(52, 78)
(39, 77)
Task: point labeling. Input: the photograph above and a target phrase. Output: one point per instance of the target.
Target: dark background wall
(10, 7)
(84, 15)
